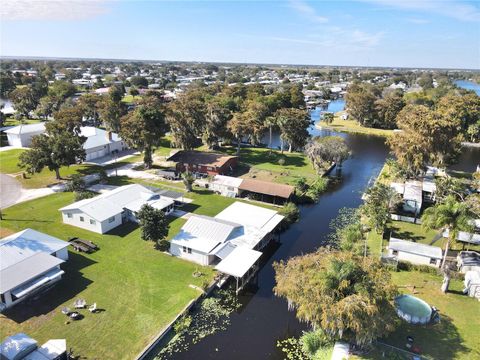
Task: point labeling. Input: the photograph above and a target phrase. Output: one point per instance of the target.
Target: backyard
(138, 289)
(456, 336)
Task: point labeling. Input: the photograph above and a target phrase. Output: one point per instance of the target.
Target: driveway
(10, 191)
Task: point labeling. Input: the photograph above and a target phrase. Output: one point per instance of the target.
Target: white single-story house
(22, 347)
(231, 240)
(110, 209)
(226, 185)
(468, 261)
(415, 253)
(21, 135)
(472, 284)
(29, 262)
(412, 195)
(100, 142)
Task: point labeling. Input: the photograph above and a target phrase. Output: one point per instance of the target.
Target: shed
(266, 190)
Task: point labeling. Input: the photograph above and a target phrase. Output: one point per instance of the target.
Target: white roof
(413, 191)
(51, 350)
(415, 248)
(428, 185)
(239, 261)
(97, 137)
(203, 233)
(465, 236)
(247, 215)
(24, 244)
(27, 129)
(227, 181)
(113, 202)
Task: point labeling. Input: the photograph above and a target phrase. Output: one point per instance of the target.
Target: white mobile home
(21, 135)
(206, 240)
(100, 142)
(30, 261)
(415, 253)
(111, 209)
(226, 185)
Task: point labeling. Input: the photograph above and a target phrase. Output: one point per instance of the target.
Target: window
(189, 250)
(184, 249)
(112, 219)
(230, 188)
(433, 261)
(82, 219)
(92, 222)
(395, 252)
(209, 168)
(69, 215)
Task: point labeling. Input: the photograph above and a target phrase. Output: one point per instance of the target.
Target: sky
(394, 33)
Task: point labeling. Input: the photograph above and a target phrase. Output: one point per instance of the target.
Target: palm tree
(270, 121)
(451, 216)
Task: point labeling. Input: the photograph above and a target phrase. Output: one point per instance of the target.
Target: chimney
(108, 135)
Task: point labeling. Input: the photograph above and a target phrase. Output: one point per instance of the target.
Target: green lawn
(11, 121)
(9, 161)
(140, 289)
(456, 336)
(263, 164)
(352, 126)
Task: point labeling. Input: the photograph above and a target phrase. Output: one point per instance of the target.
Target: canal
(263, 319)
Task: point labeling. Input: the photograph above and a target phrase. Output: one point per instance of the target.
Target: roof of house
(250, 215)
(27, 129)
(239, 261)
(26, 243)
(27, 269)
(113, 202)
(227, 181)
(268, 188)
(413, 191)
(17, 346)
(204, 233)
(201, 158)
(415, 248)
(97, 137)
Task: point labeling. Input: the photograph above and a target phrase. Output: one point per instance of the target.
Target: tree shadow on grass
(72, 283)
(119, 180)
(406, 235)
(439, 341)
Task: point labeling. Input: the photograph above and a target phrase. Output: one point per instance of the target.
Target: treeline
(381, 107)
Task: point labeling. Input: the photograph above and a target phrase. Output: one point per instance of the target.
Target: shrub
(81, 195)
(281, 161)
(291, 213)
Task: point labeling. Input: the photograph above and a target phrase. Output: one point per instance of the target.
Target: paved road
(10, 191)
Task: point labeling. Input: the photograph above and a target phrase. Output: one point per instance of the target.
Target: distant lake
(316, 114)
(468, 85)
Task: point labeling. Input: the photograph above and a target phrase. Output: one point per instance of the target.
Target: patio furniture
(93, 308)
(65, 311)
(80, 304)
(84, 243)
(78, 246)
(74, 315)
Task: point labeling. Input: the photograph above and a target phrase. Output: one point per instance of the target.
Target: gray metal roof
(97, 137)
(26, 243)
(27, 129)
(26, 270)
(415, 248)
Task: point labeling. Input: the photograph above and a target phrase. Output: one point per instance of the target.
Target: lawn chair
(65, 311)
(80, 304)
(93, 308)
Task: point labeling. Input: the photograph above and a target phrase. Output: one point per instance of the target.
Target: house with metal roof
(29, 262)
(110, 209)
(231, 240)
(22, 347)
(415, 253)
(21, 135)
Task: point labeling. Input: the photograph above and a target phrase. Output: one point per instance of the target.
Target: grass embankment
(341, 125)
(9, 165)
(139, 289)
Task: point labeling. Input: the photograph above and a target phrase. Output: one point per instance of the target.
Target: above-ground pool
(413, 309)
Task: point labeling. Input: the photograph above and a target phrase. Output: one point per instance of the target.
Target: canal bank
(262, 318)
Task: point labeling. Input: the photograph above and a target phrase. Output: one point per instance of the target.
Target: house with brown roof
(208, 163)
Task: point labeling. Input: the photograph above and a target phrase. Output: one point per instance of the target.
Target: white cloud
(307, 11)
(456, 9)
(52, 9)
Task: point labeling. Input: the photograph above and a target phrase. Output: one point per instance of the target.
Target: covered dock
(241, 263)
(266, 191)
